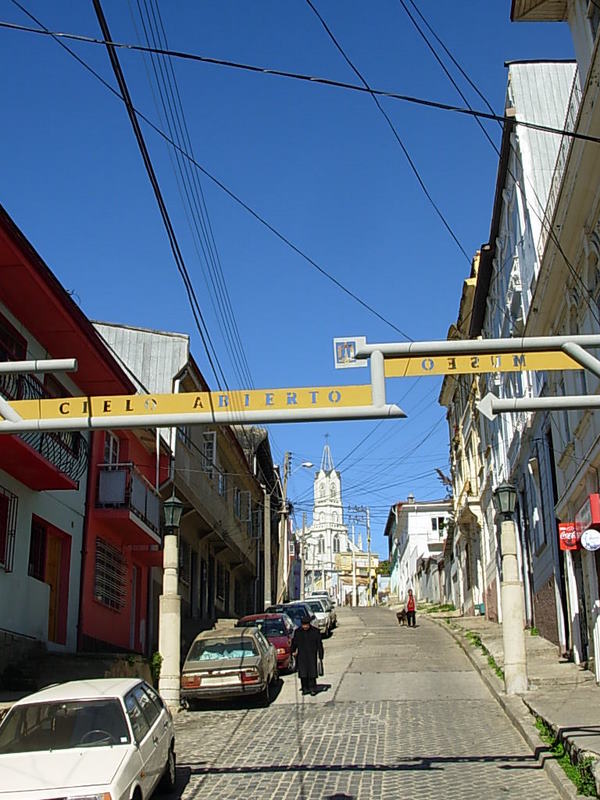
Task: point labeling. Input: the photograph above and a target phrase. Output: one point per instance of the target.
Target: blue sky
(320, 164)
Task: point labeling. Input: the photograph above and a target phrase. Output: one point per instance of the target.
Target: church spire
(327, 458)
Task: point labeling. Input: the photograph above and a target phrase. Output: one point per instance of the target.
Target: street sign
(411, 367)
(256, 400)
(344, 350)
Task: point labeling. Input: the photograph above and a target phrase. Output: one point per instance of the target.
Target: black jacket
(308, 645)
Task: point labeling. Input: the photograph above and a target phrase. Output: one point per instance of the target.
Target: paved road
(403, 715)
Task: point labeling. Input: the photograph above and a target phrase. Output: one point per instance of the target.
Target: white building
(327, 535)
(415, 530)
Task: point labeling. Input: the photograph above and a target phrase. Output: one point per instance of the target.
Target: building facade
(416, 531)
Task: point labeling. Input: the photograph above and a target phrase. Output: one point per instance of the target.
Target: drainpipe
(89, 493)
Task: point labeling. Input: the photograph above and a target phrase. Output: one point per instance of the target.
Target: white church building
(327, 535)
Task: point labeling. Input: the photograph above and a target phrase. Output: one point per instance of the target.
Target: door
(194, 591)
(581, 610)
(133, 594)
(52, 578)
(158, 735)
(143, 738)
(211, 587)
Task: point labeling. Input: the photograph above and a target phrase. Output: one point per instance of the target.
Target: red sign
(588, 515)
(567, 536)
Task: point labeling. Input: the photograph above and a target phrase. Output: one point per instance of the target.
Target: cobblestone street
(402, 714)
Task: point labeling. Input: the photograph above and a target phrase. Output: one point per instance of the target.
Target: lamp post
(284, 554)
(169, 608)
(513, 612)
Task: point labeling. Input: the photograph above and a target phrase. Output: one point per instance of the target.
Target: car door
(157, 732)
(143, 740)
(269, 656)
(164, 722)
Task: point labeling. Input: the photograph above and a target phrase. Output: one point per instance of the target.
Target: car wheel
(169, 778)
(264, 698)
(192, 704)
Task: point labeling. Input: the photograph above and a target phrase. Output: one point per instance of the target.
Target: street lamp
(513, 612)
(169, 608)
(284, 557)
(172, 510)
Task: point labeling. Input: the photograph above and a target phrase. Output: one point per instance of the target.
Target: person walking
(306, 647)
(411, 609)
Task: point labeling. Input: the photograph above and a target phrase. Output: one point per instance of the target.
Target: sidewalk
(564, 695)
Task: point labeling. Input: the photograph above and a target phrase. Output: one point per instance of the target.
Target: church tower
(328, 535)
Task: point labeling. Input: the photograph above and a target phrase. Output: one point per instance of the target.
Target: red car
(278, 629)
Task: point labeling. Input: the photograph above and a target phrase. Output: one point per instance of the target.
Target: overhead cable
(301, 77)
(220, 184)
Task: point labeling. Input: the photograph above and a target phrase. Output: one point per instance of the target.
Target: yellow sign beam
(411, 367)
(263, 400)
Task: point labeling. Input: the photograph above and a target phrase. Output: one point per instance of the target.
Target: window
(220, 582)
(209, 449)
(336, 544)
(184, 562)
(109, 575)
(593, 14)
(237, 502)
(149, 708)
(13, 346)
(184, 434)
(437, 525)
(136, 717)
(222, 484)
(37, 550)
(321, 544)
(8, 525)
(111, 448)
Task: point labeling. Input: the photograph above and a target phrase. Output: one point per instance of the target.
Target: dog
(402, 617)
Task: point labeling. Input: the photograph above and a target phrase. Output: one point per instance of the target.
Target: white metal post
(267, 548)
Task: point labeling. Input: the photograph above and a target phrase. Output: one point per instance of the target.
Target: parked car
(295, 612)
(323, 617)
(88, 739)
(231, 662)
(278, 629)
(329, 603)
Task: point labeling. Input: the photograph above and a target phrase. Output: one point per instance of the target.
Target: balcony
(125, 496)
(41, 460)
(212, 500)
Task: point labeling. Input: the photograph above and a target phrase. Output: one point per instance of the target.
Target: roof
(227, 633)
(55, 320)
(538, 10)
(82, 690)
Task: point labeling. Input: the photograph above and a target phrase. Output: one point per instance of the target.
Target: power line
(392, 127)
(299, 77)
(181, 267)
(217, 182)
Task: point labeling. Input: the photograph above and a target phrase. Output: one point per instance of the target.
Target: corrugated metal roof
(539, 93)
(153, 357)
(541, 10)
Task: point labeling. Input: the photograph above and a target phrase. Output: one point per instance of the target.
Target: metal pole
(370, 597)
(491, 405)
(303, 558)
(39, 365)
(282, 576)
(377, 379)
(267, 548)
(513, 616)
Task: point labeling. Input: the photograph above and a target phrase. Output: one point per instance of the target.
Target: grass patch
(581, 773)
(475, 640)
(437, 608)
(534, 631)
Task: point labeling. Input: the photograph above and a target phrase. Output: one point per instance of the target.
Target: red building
(79, 517)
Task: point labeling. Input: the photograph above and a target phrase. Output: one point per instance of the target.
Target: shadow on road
(237, 703)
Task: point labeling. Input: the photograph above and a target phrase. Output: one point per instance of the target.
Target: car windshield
(269, 627)
(295, 614)
(62, 725)
(213, 649)
(315, 606)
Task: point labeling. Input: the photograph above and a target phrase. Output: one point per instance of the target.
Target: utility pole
(267, 548)
(370, 597)
(303, 551)
(284, 559)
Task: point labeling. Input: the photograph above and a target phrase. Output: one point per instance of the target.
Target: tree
(384, 568)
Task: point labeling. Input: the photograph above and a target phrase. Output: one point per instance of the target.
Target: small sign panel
(344, 352)
(412, 367)
(567, 536)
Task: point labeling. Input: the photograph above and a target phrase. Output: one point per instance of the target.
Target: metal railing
(123, 486)
(67, 450)
(561, 163)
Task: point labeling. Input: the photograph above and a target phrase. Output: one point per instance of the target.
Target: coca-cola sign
(567, 536)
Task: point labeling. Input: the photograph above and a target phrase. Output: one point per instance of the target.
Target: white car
(323, 616)
(107, 739)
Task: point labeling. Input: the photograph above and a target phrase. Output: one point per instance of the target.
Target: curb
(518, 713)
